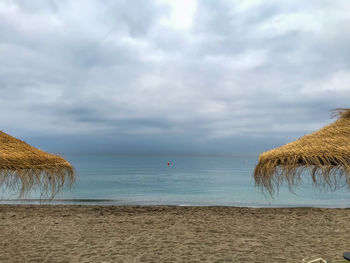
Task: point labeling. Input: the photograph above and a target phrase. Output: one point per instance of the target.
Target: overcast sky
(171, 76)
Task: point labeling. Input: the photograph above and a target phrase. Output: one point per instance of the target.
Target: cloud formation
(214, 70)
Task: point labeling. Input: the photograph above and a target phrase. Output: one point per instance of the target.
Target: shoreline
(80, 233)
(113, 202)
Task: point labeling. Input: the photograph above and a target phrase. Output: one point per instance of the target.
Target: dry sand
(170, 234)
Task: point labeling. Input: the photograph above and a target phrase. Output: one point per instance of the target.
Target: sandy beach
(54, 233)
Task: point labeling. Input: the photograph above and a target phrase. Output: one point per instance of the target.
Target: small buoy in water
(168, 163)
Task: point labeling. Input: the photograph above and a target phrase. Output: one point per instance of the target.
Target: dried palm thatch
(23, 167)
(324, 154)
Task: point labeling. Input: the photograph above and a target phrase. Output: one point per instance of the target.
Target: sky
(163, 76)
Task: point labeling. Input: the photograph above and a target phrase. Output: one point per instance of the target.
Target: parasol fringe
(325, 155)
(47, 181)
(326, 172)
(24, 168)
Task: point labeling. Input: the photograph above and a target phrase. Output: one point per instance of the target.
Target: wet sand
(55, 233)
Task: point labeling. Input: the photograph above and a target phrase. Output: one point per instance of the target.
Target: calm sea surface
(187, 180)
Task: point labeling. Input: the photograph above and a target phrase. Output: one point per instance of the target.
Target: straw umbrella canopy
(23, 167)
(324, 154)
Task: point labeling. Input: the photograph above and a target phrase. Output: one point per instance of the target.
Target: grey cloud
(93, 117)
(39, 6)
(271, 70)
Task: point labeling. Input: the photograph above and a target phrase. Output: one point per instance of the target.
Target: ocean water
(187, 180)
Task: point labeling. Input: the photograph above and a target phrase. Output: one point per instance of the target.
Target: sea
(183, 180)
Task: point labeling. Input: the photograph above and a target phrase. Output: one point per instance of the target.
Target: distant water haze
(128, 144)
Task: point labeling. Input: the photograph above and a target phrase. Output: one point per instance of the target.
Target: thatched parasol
(324, 154)
(24, 167)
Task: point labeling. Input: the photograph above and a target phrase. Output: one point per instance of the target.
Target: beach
(77, 233)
